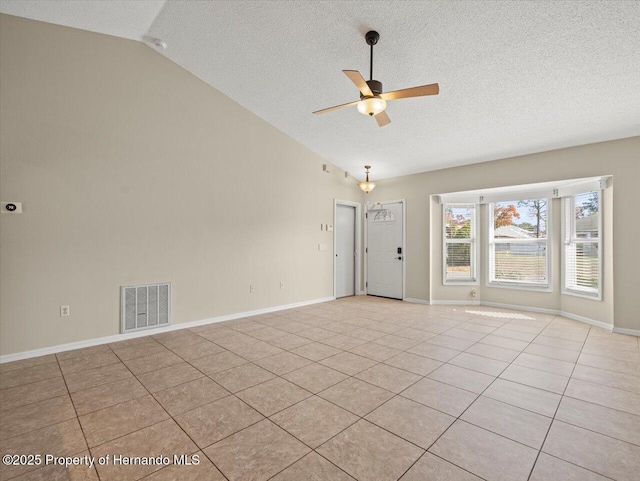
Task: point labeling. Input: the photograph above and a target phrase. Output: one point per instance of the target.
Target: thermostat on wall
(11, 207)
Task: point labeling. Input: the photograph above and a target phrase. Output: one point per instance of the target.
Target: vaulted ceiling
(515, 77)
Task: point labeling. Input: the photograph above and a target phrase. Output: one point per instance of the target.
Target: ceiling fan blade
(382, 118)
(337, 107)
(431, 89)
(359, 82)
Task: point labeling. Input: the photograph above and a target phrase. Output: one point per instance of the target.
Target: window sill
(461, 283)
(521, 287)
(585, 295)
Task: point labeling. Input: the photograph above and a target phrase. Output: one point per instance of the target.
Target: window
(384, 215)
(459, 243)
(582, 240)
(519, 243)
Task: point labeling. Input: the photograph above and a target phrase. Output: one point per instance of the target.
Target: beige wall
(620, 158)
(132, 171)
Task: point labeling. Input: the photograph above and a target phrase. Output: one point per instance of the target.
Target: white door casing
(346, 248)
(385, 249)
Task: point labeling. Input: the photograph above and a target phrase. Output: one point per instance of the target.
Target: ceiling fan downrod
(372, 38)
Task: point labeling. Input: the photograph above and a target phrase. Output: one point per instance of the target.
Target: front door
(385, 254)
(345, 250)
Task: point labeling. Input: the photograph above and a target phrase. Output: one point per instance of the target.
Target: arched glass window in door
(384, 215)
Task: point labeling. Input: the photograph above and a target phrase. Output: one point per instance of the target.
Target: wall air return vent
(145, 307)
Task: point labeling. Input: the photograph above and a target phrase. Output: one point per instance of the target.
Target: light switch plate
(322, 247)
(330, 228)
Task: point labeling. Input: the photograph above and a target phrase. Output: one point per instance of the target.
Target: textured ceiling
(122, 18)
(515, 77)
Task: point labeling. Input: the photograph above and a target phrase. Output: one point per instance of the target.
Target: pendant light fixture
(367, 186)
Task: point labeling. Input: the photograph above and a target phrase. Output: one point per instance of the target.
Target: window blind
(582, 243)
(459, 256)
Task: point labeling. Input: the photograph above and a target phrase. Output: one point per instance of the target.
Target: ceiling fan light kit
(367, 186)
(371, 106)
(373, 102)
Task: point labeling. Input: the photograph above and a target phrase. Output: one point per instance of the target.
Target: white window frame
(472, 241)
(568, 207)
(491, 242)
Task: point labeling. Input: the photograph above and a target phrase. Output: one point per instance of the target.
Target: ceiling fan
(372, 101)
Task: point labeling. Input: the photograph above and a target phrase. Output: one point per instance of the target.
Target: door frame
(358, 222)
(404, 242)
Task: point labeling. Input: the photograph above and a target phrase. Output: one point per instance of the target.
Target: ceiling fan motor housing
(375, 86)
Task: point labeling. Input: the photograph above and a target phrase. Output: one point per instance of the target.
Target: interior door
(385, 254)
(345, 250)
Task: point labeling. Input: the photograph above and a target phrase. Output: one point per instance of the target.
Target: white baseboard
(361, 293)
(624, 330)
(555, 312)
(416, 301)
(123, 337)
(455, 303)
(586, 320)
(541, 310)
(174, 327)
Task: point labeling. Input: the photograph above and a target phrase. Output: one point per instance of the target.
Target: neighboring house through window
(519, 243)
(582, 259)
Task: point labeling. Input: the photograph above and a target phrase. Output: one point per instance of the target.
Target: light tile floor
(360, 388)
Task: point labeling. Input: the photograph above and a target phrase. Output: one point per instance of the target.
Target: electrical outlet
(251, 288)
(281, 285)
(65, 311)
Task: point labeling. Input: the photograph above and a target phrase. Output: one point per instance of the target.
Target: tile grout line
(395, 395)
(610, 370)
(313, 451)
(353, 376)
(229, 395)
(556, 411)
(382, 362)
(68, 394)
(77, 417)
(606, 385)
(154, 424)
(602, 405)
(345, 333)
(462, 413)
(448, 362)
(326, 400)
(580, 427)
(251, 407)
(30, 383)
(578, 466)
(400, 394)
